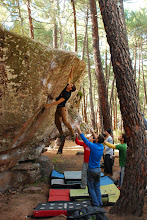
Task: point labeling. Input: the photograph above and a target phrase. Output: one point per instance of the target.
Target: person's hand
(77, 126)
(112, 157)
(78, 129)
(91, 129)
(48, 105)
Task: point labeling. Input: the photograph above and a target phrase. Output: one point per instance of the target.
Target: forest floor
(19, 204)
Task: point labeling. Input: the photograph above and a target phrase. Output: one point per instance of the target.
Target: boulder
(25, 173)
(31, 75)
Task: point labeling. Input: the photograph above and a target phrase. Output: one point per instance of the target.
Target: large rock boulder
(26, 173)
(31, 75)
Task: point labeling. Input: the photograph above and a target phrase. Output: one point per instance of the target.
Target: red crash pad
(59, 195)
(58, 208)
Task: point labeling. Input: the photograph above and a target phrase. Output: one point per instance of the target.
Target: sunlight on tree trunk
(131, 200)
(55, 43)
(103, 95)
(75, 25)
(90, 88)
(30, 19)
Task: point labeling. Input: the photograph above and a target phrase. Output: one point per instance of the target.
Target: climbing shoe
(59, 152)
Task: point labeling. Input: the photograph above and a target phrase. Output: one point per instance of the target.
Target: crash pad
(112, 191)
(102, 174)
(72, 175)
(82, 194)
(105, 180)
(74, 182)
(57, 175)
(58, 208)
(59, 195)
(60, 184)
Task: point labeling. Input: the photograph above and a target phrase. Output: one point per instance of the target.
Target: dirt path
(17, 205)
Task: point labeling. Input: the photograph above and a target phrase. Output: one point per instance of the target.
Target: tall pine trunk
(84, 105)
(90, 88)
(55, 38)
(60, 25)
(102, 91)
(75, 25)
(30, 19)
(20, 17)
(131, 199)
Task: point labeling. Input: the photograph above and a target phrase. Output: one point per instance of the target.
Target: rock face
(26, 173)
(31, 75)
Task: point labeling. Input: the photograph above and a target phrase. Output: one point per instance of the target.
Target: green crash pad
(82, 194)
(112, 191)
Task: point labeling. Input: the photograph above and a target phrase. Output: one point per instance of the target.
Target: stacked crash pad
(68, 180)
(82, 194)
(65, 195)
(108, 187)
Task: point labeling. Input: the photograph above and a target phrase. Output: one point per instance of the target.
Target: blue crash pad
(57, 175)
(102, 174)
(105, 180)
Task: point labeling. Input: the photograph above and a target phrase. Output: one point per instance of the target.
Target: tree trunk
(115, 109)
(85, 36)
(131, 200)
(108, 78)
(21, 19)
(144, 84)
(90, 88)
(55, 39)
(103, 95)
(30, 19)
(85, 106)
(138, 75)
(122, 16)
(111, 96)
(135, 56)
(100, 115)
(106, 72)
(60, 26)
(75, 25)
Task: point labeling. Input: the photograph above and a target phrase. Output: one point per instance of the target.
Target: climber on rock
(61, 109)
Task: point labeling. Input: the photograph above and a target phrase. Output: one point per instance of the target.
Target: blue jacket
(96, 152)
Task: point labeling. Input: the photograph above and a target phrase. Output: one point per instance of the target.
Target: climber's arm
(70, 76)
(93, 133)
(55, 103)
(110, 145)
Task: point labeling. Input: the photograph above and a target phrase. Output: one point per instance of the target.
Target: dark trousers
(60, 116)
(108, 163)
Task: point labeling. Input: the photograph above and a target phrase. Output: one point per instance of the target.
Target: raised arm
(110, 145)
(93, 133)
(88, 143)
(81, 143)
(70, 76)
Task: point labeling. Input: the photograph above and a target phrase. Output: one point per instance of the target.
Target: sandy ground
(18, 205)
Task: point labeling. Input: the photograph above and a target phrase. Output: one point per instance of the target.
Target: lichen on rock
(31, 74)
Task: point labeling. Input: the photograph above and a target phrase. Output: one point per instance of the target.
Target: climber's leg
(58, 121)
(65, 121)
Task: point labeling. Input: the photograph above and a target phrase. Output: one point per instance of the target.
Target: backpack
(89, 213)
